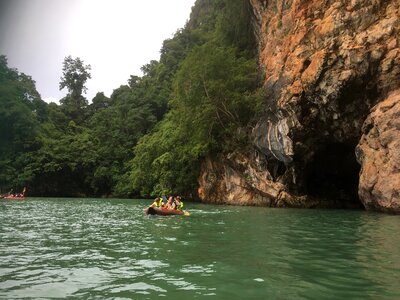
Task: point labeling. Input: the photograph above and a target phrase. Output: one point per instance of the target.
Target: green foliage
(234, 28)
(165, 161)
(100, 101)
(75, 75)
(62, 166)
(133, 111)
(214, 96)
(21, 111)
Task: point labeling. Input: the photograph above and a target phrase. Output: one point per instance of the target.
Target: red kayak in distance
(14, 198)
(162, 211)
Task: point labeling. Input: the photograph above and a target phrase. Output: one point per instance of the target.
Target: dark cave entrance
(333, 175)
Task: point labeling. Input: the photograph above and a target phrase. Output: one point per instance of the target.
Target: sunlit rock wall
(379, 154)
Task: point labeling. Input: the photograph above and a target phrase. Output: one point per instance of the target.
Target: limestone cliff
(379, 154)
(329, 67)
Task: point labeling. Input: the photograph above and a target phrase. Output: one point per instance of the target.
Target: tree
(99, 102)
(75, 75)
(21, 111)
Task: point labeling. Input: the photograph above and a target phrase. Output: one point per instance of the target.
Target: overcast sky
(116, 37)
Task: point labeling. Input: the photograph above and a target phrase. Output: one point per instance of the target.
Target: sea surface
(109, 249)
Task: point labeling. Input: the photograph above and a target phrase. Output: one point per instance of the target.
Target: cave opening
(333, 175)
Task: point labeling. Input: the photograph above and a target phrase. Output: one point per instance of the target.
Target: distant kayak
(14, 198)
(165, 211)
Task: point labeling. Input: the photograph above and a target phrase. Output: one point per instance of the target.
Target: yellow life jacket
(158, 203)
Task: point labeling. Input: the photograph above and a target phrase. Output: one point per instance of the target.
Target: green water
(96, 249)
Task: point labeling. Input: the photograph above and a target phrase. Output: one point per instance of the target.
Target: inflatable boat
(14, 198)
(165, 211)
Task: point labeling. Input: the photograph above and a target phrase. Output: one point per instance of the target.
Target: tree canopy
(75, 75)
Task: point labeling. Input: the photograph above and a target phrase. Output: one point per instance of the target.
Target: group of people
(11, 194)
(173, 202)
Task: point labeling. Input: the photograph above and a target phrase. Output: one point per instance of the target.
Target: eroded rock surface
(326, 65)
(243, 180)
(379, 154)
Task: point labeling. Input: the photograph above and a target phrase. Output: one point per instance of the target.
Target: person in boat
(158, 202)
(22, 194)
(10, 194)
(179, 203)
(171, 203)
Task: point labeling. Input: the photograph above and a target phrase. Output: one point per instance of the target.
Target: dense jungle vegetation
(148, 137)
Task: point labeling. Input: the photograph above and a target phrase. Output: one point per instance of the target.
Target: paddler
(178, 203)
(171, 203)
(22, 194)
(158, 202)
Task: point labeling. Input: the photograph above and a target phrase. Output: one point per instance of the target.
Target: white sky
(116, 37)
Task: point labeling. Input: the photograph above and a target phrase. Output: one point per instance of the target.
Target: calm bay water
(96, 248)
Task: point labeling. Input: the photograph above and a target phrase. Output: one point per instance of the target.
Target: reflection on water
(110, 249)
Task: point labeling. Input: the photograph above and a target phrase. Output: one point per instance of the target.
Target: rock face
(326, 65)
(379, 154)
(242, 180)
